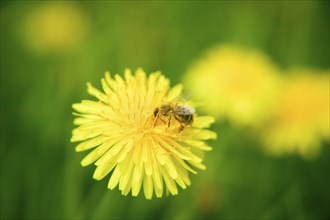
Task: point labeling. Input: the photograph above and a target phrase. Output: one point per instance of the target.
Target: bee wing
(183, 97)
(186, 94)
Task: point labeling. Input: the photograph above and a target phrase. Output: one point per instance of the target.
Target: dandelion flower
(54, 27)
(133, 145)
(235, 84)
(301, 119)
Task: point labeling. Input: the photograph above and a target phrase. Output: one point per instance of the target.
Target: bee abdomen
(186, 119)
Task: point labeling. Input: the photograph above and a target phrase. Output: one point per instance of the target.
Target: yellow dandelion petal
(234, 83)
(203, 121)
(301, 118)
(137, 180)
(102, 170)
(132, 138)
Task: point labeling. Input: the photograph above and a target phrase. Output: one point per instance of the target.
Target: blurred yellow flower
(234, 83)
(301, 118)
(133, 143)
(54, 26)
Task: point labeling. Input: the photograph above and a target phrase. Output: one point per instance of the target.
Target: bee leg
(162, 120)
(181, 128)
(156, 113)
(169, 121)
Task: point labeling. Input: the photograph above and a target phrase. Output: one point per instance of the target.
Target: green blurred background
(41, 176)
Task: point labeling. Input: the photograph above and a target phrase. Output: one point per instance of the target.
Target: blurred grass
(41, 176)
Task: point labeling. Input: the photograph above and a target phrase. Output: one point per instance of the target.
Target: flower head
(54, 26)
(301, 118)
(133, 142)
(234, 83)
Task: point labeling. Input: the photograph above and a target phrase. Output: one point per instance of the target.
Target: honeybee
(182, 113)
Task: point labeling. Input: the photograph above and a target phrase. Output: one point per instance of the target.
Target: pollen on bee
(170, 122)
